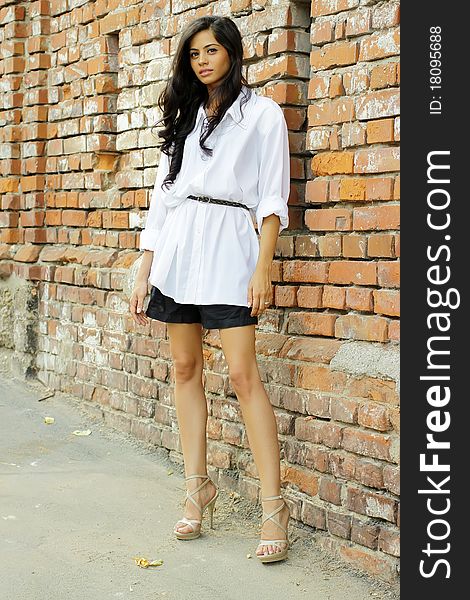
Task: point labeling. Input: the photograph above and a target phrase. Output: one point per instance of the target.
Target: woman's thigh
(186, 349)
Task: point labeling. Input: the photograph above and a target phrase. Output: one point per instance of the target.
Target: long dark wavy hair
(180, 99)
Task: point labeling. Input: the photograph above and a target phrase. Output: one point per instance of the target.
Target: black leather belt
(218, 201)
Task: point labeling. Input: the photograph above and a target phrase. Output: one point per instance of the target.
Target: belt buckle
(205, 198)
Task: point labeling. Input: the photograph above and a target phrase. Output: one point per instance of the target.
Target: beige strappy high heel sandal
(282, 554)
(193, 523)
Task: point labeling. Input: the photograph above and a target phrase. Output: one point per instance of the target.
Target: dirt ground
(76, 511)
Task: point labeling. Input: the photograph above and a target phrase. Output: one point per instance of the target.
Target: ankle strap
(194, 476)
(271, 498)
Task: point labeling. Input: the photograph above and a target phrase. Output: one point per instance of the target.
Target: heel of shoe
(211, 509)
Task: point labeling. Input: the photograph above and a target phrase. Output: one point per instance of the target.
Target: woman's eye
(194, 54)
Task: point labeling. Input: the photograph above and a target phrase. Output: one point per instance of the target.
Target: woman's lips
(202, 73)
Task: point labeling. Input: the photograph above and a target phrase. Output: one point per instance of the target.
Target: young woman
(203, 257)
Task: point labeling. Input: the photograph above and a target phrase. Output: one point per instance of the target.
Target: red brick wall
(77, 163)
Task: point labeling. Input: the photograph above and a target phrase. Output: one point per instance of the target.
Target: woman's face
(205, 52)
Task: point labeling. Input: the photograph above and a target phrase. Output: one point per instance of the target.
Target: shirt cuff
(273, 205)
(148, 239)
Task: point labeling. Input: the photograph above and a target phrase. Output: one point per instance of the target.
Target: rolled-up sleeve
(157, 210)
(274, 168)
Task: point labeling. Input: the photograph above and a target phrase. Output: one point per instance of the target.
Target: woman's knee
(243, 378)
(187, 367)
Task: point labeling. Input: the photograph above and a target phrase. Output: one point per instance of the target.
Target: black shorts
(211, 316)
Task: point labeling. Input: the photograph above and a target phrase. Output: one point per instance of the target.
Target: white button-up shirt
(206, 253)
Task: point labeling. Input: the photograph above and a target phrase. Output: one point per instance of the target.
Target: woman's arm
(145, 266)
(267, 242)
(259, 291)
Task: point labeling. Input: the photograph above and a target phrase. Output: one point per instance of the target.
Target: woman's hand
(136, 302)
(259, 290)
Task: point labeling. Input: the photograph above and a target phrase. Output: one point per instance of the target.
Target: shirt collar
(234, 110)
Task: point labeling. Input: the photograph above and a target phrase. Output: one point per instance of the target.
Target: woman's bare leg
(238, 344)
(191, 410)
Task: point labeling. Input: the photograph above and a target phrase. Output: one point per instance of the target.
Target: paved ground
(74, 511)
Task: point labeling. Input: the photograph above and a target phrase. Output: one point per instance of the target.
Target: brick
(371, 504)
(367, 443)
(374, 416)
(304, 479)
(392, 479)
(376, 217)
(319, 86)
(332, 163)
(354, 246)
(369, 473)
(386, 15)
(356, 80)
(364, 533)
(352, 271)
(383, 76)
(334, 55)
(394, 331)
(318, 432)
(352, 188)
(342, 464)
(380, 131)
(317, 190)
(322, 379)
(379, 188)
(380, 45)
(321, 32)
(373, 389)
(344, 409)
(389, 541)
(339, 524)
(309, 296)
(329, 219)
(396, 241)
(317, 404)
(285, 295)
(335, 144)
(74, 218)
(305, 271)
(378, 104)
(375, 160)
(318, 138)
(396, 129)
(334, 190)
(353, 134)
(337, 89)
(396, 188)
(305, 245)
(308, 323)
(316, 457)
(387, 302)
(334, 297)
(313, 515)
(331, 7)
(361, 327)
(329, 245)
(326, 112)
(340, 30)
(310, 349)
(381, 244)
(330, 490)
(388, 274)
(371, 562)
(359, 299)
(358, 22)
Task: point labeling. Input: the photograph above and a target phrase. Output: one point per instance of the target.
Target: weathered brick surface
(77, 165)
